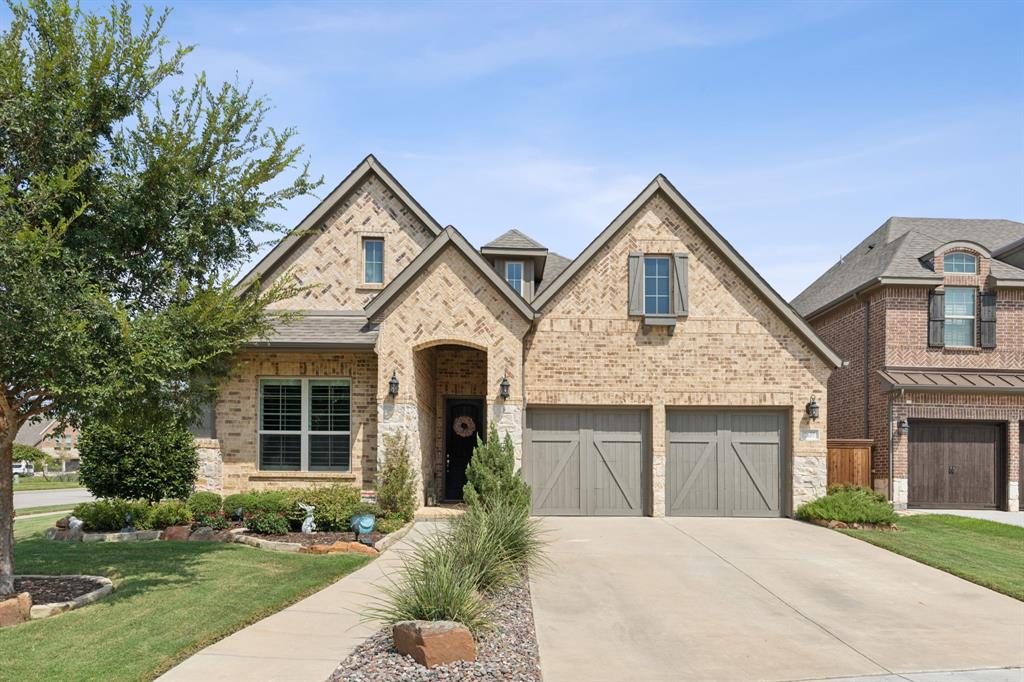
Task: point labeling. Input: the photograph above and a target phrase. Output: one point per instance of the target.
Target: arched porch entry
(451, 398)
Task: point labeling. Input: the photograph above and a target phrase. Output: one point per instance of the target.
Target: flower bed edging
(52, 609)
(134, 536)
(855, 526)
(391, 538)
(270, 545)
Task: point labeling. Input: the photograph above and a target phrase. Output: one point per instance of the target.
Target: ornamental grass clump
(849, 504)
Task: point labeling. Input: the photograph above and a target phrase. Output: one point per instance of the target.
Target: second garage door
(955, 464)
(726, 463)
(586, 462)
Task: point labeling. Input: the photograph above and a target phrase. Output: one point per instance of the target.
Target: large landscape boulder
(434, 643)
(15, 609)
(177, 533)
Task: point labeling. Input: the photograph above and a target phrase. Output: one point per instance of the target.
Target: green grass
(43, 510)
(40, 483)
(985, 552)
(171, 599)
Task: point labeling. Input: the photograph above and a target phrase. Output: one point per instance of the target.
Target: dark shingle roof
(553, 268)
(896, 250)
(321, 329)
(33, 431)
(514, 239)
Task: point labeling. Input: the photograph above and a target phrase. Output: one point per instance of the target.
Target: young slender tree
(124, 216)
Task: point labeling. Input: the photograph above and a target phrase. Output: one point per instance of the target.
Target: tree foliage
(491, 475)
(128, 202)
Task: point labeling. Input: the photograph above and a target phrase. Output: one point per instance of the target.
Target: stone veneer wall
(732, 350)
(332, 260)
(211, 466)
(237, 414)
(447, 303)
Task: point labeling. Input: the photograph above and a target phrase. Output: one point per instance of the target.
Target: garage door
(955, 464)
(586, 462)
(724, 464)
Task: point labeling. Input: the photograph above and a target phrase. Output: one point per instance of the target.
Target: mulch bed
(506, 652)
(310, 539)
(55, 589)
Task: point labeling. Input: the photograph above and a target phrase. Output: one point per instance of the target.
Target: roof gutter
(871, 284)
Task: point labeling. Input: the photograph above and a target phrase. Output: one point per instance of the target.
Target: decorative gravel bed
(310, 539)
(506, 652)
(46, 590)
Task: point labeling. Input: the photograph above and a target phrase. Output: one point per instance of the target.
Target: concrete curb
(391, 538)
(54, 608)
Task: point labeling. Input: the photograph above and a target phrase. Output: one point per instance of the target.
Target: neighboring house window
(959, 325)
(373, 261)
(960, 263)
(514, 275)
(656, 296)
(305, 424)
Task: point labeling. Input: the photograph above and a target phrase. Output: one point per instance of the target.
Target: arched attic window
(959, 262)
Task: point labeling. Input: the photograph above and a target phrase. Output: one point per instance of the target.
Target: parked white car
(23, 468)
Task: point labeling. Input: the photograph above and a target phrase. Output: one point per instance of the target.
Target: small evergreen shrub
(849, 504)
(396, 484)
(237, 504)
(389, 524)
(204, 502)
(169, 513)
(218, 520)
(108, 515)
(267, 522)
(150, 462)
(491, 475)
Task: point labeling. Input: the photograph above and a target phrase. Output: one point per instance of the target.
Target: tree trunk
(7, 510)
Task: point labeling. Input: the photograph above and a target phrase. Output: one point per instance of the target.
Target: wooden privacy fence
(849, 461)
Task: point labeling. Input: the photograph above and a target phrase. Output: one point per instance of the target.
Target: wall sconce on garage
(903, 427)
(504, 388)
(812, 409)
(393, 385)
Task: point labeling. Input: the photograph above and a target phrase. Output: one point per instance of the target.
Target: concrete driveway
(754, 599)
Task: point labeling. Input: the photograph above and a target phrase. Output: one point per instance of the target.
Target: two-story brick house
(656, 373)
(929, 314)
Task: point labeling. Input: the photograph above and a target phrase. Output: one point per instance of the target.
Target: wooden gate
(849, 462)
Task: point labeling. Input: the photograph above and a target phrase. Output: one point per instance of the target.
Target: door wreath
(464, 426)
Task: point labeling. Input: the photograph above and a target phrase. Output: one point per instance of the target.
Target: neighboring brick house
(929, 314)
(48, 436)
(655, 374)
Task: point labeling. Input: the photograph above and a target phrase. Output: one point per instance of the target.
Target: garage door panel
(755, 479)
(955, 464)
(691, 468)
(616, 481)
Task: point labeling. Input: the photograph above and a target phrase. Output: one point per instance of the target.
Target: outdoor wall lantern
(812, 409)
(393, 385)
(903, 426)
(504, 388)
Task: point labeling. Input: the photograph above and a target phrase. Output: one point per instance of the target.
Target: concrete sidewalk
(306, 641)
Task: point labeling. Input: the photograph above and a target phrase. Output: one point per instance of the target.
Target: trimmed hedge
(204, 503)
(849, 504)
(169, 513)
(109, 516)
(151, 462)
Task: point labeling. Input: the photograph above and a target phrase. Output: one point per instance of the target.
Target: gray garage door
(724, 464)
(586, 462)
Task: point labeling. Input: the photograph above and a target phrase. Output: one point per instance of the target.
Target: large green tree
(127, 205)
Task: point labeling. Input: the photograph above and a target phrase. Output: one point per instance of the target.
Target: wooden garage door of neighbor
(587, 462)
(724, 463)
(955, 464)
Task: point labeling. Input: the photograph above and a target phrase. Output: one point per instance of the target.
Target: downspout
(867, 370)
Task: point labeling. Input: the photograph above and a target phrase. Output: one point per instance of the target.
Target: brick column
(1013, 463)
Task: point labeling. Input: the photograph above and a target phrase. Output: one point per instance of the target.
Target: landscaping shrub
(389, 524)
(334, 506)
(217, 520)
(204, 503)
(237, 504)
(267, 522)
(849, 504)
(396, 484)
(34, 456)
(491, 474)
(169, 513)
(109, 515)
(149, 462)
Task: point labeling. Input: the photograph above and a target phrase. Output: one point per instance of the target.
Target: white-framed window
(960, 263)
(960, 316)
(514, 275)
(373, 261)
(305, 424)
(656, 285)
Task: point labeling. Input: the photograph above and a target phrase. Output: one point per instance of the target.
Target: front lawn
(40, 483)
(47, 509)
(171, 599)
(985, 552)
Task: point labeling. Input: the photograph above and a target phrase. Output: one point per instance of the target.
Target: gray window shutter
(936, 319)
(988, 320)
(681, 291)
(636, 284)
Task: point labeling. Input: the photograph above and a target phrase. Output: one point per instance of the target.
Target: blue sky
(794, 128)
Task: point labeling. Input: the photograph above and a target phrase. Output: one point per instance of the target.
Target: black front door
(464, 417)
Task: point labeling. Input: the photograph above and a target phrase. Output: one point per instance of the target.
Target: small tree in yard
(396, 484)
(491, 474)
(124, 217)
(34, 456)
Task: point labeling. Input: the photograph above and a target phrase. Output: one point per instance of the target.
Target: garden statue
(129, 526)
(308, 524)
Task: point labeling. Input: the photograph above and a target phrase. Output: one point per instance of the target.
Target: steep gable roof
(896, 251)
(369, 165)
(448, 236)
(677, 200)
(33, 431)
(516, 240)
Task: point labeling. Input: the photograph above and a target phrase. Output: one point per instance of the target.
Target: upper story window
(656, 296)
(960, 263)
(960, 316)
(514, 275)
(373, 261)
(305, 424)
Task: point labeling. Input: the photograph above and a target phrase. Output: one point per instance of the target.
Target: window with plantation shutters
(305, 424)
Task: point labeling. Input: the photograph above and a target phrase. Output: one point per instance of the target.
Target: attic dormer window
(514, 275)
(960, 263)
